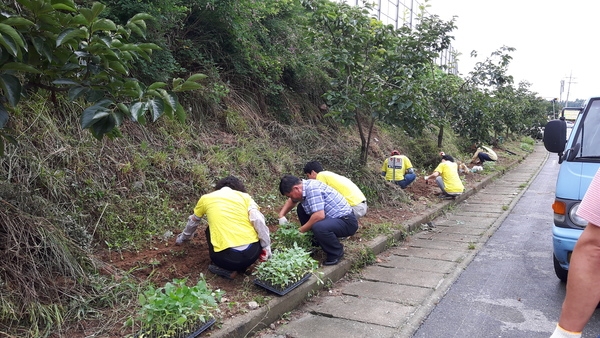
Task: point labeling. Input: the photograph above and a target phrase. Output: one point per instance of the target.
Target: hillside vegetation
(269, 86)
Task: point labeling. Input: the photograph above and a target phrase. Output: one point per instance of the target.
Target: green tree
(376, 70)
(61, 48)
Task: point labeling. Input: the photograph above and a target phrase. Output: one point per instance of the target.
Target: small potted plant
(176, 310)
(285, 270)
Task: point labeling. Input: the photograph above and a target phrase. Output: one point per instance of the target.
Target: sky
(554, 40)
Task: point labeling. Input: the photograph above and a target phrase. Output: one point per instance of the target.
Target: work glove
(283, 220)
(265, 254)
(180, 239)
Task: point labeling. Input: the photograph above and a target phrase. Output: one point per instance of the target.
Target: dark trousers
(484, 157)
(328, 230)
(231, 259)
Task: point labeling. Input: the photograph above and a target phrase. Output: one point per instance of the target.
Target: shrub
(168, 309)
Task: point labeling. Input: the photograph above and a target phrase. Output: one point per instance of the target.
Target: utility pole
(569, 88)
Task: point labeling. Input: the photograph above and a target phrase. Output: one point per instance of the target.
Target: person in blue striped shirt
(328, 214)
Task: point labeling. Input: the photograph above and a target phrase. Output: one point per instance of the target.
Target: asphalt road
(510, 289)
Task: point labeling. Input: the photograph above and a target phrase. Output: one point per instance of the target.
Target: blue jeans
(408, 179)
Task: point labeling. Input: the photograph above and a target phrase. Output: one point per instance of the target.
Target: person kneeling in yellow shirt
(237, 234)
(446, 176)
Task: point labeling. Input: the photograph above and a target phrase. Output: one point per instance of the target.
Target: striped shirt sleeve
(589, 209)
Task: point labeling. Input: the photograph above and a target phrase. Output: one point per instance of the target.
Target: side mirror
(555, 136)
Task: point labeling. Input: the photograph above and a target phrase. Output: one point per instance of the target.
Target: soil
(162, 261)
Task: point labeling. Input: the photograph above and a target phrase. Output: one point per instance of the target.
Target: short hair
(313, 165)
(287, 183)
(448, 158)
(231, 182)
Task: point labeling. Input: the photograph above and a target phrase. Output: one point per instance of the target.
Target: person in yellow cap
(398, 169)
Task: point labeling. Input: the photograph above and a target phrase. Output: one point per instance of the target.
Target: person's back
(449, 172)
(226, 211)
(343, 185)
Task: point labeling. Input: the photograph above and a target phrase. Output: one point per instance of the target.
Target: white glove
(426, 178)
(283, 220)
(180, 239)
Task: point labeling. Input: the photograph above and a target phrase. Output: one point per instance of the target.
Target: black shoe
(333, 261)
(222, 272)
(446, 197)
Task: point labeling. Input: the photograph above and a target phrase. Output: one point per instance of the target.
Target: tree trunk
(440, 137)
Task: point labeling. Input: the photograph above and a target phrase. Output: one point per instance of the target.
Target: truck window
(588, 136)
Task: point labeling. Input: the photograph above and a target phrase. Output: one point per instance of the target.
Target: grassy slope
(117, 193)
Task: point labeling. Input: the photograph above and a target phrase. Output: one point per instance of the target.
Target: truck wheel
(561, 273)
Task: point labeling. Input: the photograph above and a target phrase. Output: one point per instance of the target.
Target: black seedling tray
(278, 290)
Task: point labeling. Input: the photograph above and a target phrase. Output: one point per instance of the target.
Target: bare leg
(583, 293)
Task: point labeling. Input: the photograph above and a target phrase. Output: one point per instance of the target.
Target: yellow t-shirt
(226, 211)
(400, 163)
(449, 172)
(343, 185)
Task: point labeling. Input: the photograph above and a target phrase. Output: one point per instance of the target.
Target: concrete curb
(255, 320)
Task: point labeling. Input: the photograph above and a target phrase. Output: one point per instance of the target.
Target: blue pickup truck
(579, 158)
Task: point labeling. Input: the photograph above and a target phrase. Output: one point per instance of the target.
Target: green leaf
(156, 107)
(157, 85)
(65, 82)
(123, 108)
(180, 113)
(103, 125)
(103, 25)
(197, 77)
(69, 34)
(9, 44)
(187, 85)
(118, 67)
(97, 8)
(94, 113)
(3, 116)
(141, 16)
(177, 81)
(137, 110)
(76, 91)
(11, 86)
(66, 5)
(17, 21)
(42, 48)
(136, 29)
(9, 31)
(19, 67)
(148, 46)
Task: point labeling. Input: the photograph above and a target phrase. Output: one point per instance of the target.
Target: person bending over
(236, 233)
(447, 178)
(328, 214)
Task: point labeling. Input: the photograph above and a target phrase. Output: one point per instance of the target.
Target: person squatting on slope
(447, 178)
(327, 213)
(483, 154)
(583, 290)
(398, 169)
(236, 233)
(343, 185)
